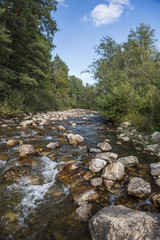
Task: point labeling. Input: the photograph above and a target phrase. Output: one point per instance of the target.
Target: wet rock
(156, 200)
(156, 137)
(26, 149)
(83, 193)
(96, 181)
(108, 156)
(94, 150)
(61, 128)
(73, 125)
(151, 148)
(12, 142)
(88, 176)
(108, 183)
(75, 139)
(14, 174)
(104, 146)
(120, 222)
(96, 165)
(28, 162)
(53, 146)
(129, 161)
(3, 157)
(84, 212)
(138, 187)
(70, 173)
(113, 171)
(155, 169)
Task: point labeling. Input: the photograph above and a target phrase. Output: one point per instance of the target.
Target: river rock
(53, 146)
(122, 223)
(156, 200)
(155, 137)
(129, 161)
(151, 148)
(104, 146)
(108, 156)
(96, 181)
(113, 171)
(108, 183)
(126, 124)
(75, 139)
(61, 128)
(138, 187)
(157, 181)
(84, 212)
(155, 169)
(12, 142)
(26, 149)
(95, 150)
(83, 193)
(26, 123)
(96, 165)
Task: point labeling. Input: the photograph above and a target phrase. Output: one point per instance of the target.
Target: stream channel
(34, 204)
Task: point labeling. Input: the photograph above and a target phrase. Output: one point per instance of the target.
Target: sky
(83, 23)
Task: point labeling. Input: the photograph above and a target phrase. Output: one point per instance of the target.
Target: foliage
(128, 81)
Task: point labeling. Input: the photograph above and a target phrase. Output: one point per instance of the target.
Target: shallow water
(40, 207)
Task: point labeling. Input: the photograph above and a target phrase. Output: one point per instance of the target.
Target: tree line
(128, 78)
(29, 79)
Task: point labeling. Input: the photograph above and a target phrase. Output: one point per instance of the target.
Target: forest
(127, 75)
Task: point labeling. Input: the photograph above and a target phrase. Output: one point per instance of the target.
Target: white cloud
(108, 13)
(62, 2)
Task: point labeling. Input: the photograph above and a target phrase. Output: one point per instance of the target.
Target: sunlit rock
(138, 187)
(75, 139)
(26, 149)
(84, 212)
(53, 146)
(104, 146)
(96, 165)
(12, 142)
(120, 222)
(113, 171)
(96, 181)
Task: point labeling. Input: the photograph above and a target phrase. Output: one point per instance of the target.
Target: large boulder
(138, 187)
(104, 146)
(122, 223)
(75, 139)
(113, 171)
(129, 161)
(26, 149)
(96, 165)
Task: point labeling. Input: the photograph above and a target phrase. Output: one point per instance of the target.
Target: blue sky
(83, 23)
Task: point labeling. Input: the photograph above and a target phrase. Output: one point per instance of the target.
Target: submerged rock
(83, 193)
(108, 183)
(138, 187)
(113, 171)
(84, 212)
(96, 165)
(104, 146)
(129, 161)
(120, 222)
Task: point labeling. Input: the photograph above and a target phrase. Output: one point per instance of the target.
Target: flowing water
(33, 203)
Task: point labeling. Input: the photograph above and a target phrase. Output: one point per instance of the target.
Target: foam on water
(33, 195)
